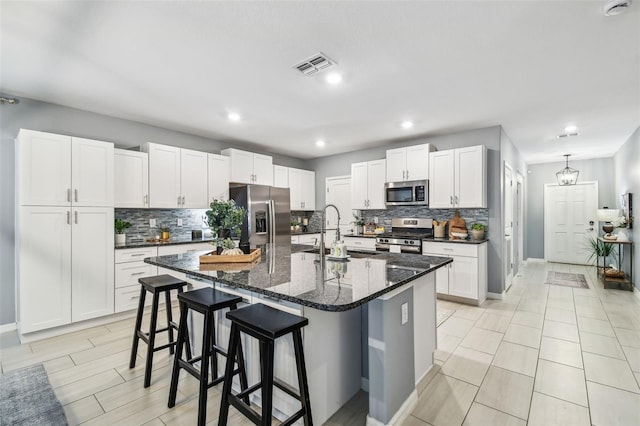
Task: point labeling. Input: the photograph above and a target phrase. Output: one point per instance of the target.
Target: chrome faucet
(323, 227)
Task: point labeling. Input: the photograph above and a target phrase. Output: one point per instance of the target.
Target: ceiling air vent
(314, 64)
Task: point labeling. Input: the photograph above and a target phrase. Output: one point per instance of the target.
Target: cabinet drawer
(127, 274)
(309, 239)
(130, 255)
(127, 298)
(184, 248)
(355, 243)
(450, 249)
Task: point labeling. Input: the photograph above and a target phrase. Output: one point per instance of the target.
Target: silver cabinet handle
(183, 201)
(138, 273)
(68, 218)
(146, 199)
(403, 178)
(407, 174)
(69, 194)
(137, 254)
(447, 249)
(75, 195)
(451, 199)
(178, 201)
(76, 216)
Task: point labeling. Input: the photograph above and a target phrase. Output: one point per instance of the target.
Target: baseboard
(495, 296)
(535, 260)
(364, 384)
(403, 412)
(8, 327)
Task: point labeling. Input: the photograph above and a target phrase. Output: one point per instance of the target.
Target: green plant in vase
(224, 217)
(596, 249)
(477, 231)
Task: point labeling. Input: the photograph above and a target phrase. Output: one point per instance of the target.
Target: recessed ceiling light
(333, 78)
(320, 143)
(234, 116)
(407, 124)
(571, 128)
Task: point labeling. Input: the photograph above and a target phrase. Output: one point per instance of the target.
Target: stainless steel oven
(409, 193)
(406, 235)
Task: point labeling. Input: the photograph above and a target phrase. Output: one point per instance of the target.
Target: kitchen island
(399, 339)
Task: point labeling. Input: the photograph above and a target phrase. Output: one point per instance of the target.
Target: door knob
(589, 229)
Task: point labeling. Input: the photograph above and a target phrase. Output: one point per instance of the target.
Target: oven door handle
(382, 247)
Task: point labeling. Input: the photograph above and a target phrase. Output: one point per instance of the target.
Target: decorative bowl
(459, 234)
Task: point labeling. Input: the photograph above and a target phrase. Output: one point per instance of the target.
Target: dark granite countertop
(446, 240)
(292, 272)
(171, 242)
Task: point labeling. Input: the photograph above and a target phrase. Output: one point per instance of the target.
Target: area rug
(566, 279)
(26, 398)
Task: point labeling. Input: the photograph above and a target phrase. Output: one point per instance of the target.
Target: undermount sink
(353, 254)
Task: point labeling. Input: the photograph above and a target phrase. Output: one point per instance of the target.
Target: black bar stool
(206, 301)
(155, 285)
(265, 324)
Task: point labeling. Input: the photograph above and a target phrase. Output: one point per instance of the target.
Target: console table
(625, 282)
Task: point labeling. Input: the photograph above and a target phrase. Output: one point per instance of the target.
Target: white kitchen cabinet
(360, 243)
(409, 163)
(57, 170)
(249, 167)
(218, 171)
(65, 265)
(367, 185)
(280, 176)
(366, 273)
(302, 189)
(131, 179)
(92, 281)
(466, 276)
(129, 267)
(458, 178)
(177, 177)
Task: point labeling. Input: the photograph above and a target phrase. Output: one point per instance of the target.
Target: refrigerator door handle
(272, 224)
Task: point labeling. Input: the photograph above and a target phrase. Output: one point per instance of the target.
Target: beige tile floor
(545, 355)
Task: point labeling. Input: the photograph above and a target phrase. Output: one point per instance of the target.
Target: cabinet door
(218, 177)
(131, 179)
(92, 288)
(280, 177)
(193, 179)
(417, 162)
(470, 181)
(164, 176)
(241, 165)
(263, 169)
(45, 168)
(44, 285)
(441, 179)
(295, 188)
(442, 279)
(359, 186)
(375, 186)
(396, 165)
(308, 190)
(463, 277)
(92, 172)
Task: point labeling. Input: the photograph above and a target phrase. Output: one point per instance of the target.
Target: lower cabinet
(360, 243)
(466, 276)
(128, 269)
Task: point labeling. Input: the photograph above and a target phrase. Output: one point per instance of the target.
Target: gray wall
(339, 165)
(601, 170)
(46, 117)
(627, 179)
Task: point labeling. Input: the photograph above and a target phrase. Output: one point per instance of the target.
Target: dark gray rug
(566, 279)
(26, 398)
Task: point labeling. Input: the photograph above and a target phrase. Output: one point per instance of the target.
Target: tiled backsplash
(139, 219)
(384, 217)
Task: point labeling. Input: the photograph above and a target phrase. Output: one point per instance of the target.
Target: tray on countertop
(212, 257)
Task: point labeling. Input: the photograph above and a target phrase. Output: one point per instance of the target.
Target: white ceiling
(531, 66)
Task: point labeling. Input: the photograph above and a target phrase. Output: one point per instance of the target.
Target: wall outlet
(179, 222)
(375, 219)
(152, 223)
(405, 313)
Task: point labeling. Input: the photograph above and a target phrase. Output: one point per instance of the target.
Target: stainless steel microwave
(409, 193)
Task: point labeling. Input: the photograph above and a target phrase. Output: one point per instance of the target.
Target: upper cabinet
(131, 188)
(280, 176)
(177, 177)
(57, 170)
(458, 178)
(218, 177)
(367, 185)
(409, 163)
(302, 186)
(249, 167)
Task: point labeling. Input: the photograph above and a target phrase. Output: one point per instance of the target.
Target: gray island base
(372, 322)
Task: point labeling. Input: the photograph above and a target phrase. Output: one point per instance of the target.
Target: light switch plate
(405, 313)
(179, 222)
(152, 223)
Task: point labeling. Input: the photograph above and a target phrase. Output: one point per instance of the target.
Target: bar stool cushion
(161, 283)
(267, 321)
(208, 299)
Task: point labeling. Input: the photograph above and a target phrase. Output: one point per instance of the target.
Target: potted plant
(359, 223)
(596, 249)
(120, 227)
(293, 225)
(165, 232)
(224, 217)
(477, 231)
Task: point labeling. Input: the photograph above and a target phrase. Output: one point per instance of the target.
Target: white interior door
(568, 215)
(509, 189)
(338, 190)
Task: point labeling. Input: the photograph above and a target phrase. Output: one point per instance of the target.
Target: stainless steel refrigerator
(268, 213)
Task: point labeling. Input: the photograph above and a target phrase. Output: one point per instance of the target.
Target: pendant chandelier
(567, 176)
